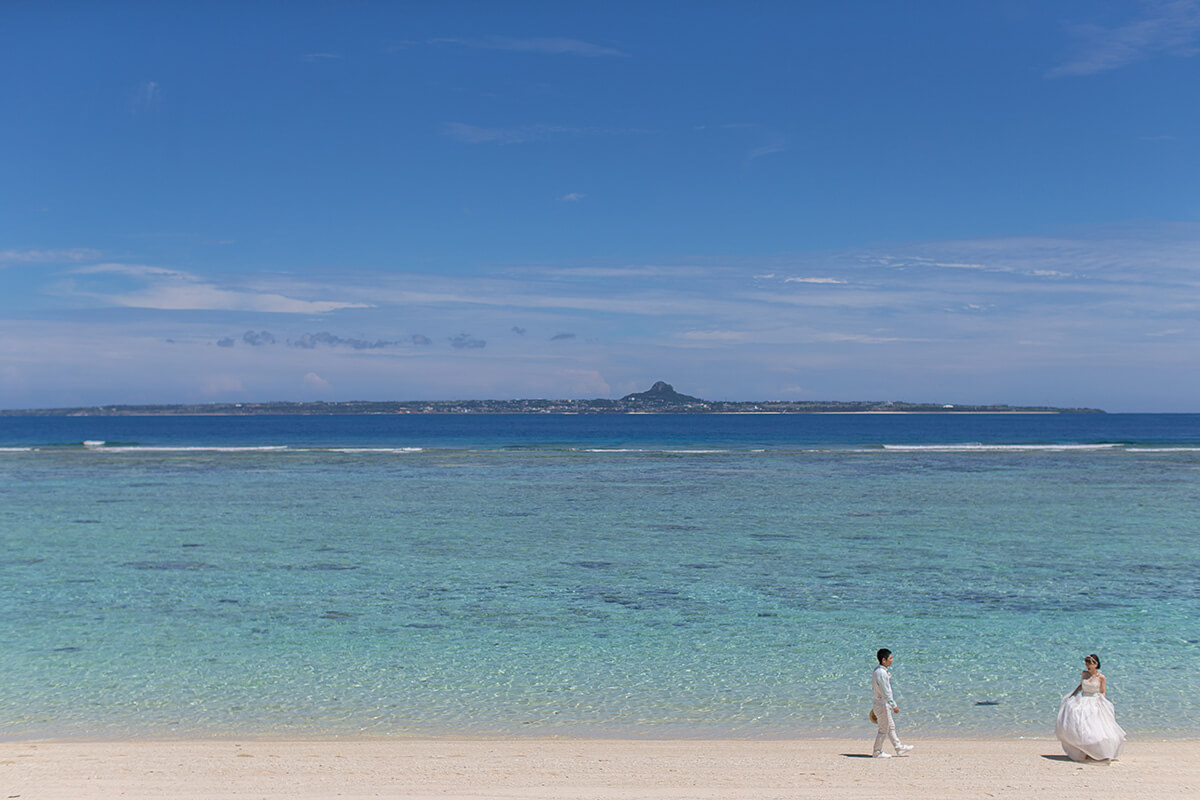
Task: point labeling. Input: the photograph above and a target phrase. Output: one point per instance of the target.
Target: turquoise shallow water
(188, 577)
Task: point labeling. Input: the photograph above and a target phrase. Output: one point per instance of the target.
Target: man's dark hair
(882, 654)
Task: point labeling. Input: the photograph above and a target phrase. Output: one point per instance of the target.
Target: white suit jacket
(881, 683)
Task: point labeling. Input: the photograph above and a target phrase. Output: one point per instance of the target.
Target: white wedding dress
(1087, 725)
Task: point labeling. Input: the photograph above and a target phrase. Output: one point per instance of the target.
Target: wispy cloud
(516, 295)
(322, 57)
(716, 336)
(1168, 27)
(146, 271)
(173, 290)
(73, 255)
(772, 142)
(783, 335)
(572, 197)
(766, 140)
(634, 271)
(474, 134)
(546, 45)
(809, 280)
(147, 96)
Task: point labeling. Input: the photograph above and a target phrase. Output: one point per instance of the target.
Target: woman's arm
(1079, 688)
(1103, 684)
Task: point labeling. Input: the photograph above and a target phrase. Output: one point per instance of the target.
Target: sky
(937, 201)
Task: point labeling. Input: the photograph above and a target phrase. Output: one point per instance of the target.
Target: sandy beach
(583, 769)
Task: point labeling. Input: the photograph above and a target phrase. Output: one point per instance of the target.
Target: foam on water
(675, 451)
(102, 447)
(977, 447)
(371, 449)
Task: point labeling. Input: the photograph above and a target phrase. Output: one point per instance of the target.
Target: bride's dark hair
(1094, 657)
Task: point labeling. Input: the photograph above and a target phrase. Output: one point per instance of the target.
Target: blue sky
(927, 201)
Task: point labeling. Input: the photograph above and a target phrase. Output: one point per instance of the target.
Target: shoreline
(587, 768)
(399, 738)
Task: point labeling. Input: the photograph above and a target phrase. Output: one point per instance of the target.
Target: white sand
(587, 768)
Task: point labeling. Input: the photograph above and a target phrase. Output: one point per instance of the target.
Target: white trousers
(887, 729)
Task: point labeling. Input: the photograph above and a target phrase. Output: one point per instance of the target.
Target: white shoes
(902, 750)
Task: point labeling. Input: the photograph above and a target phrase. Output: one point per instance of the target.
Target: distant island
(661, 398)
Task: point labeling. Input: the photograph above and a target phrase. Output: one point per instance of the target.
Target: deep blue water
(505, 430)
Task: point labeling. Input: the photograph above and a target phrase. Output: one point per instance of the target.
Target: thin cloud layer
(1170, 27)
(147, 96)
(554, 45)
(72, 255)
(173, 290)
(539, 132)
(1069, 294)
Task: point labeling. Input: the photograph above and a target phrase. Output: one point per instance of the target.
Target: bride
(1087, 724)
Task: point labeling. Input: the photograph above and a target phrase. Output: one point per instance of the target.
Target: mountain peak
(661, 392)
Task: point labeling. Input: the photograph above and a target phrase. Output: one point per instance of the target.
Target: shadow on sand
(1072, 761)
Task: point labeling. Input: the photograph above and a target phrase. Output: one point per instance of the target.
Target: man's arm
(885, 683)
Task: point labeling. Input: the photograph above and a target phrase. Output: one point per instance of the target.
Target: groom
(883, 706)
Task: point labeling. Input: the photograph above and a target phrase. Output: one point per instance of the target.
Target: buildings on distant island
(659, 399)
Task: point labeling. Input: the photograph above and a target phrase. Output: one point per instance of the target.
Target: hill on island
(662, 393)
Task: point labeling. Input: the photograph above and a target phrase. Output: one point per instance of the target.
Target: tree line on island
(661, 398)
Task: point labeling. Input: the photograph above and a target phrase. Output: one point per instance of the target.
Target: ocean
(632, 575)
